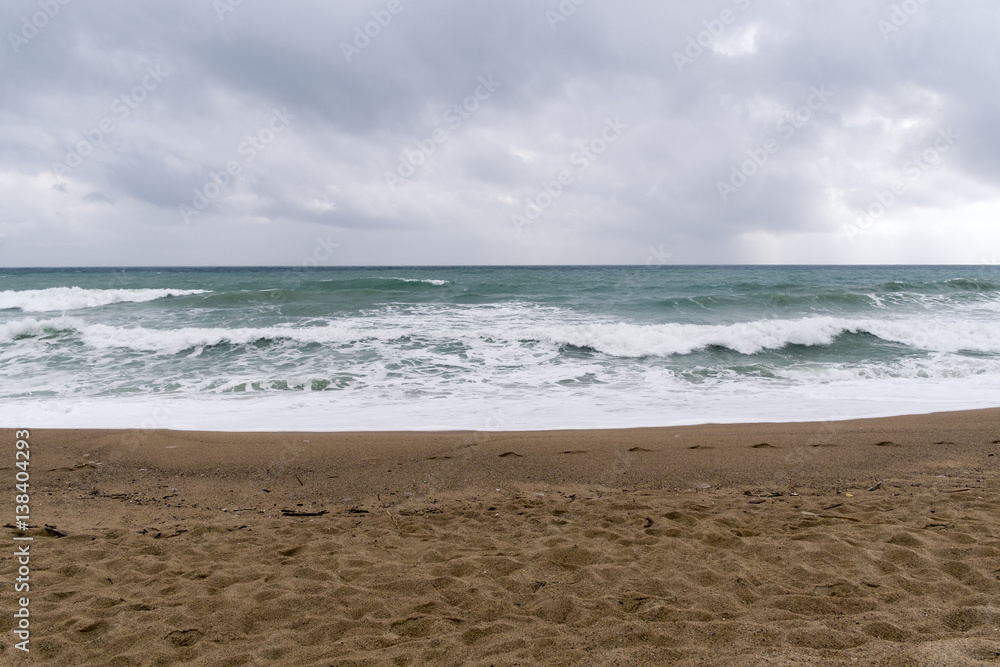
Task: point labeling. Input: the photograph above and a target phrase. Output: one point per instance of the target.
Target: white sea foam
(631, 357)
(55, 299)
(659, 340)
(177, 340)
(613, 339)
(488, 358)
(437, 283)
(485, 410)
(31, 328)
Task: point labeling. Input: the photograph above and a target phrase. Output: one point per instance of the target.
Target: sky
(432, 132)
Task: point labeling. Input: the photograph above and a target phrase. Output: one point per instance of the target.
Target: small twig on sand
(51, 530)
(294, 513)
(393, 519)
(299, 480)
(834, 516)
(878, 483)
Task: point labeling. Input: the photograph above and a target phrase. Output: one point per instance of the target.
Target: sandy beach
(868, 542)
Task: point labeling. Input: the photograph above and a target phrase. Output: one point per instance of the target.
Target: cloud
(718, 93)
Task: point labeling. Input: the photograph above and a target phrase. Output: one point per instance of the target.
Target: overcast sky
(512, 132)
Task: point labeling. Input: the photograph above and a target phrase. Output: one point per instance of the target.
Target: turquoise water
(493, 347)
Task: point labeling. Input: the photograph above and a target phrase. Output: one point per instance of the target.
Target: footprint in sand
(188, 637)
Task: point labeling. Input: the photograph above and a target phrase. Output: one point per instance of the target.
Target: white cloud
(741, 42)
(654, 186)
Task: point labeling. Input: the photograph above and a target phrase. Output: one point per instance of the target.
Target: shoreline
(864, 541)
(795, 452)
(158, 417)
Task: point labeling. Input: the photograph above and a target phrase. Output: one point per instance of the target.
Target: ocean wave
(661, 340)
(55, 299)
(172, 341)
(973, 284)
(612, 339)
(32, 328)
(376, 283)
(427, 281)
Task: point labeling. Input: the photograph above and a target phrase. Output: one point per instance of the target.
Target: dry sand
(765, 544)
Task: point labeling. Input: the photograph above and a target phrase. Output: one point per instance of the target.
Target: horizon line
(294, 267)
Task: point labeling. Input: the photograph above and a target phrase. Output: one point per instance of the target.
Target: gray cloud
(703, 88)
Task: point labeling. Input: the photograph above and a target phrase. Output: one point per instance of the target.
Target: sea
(492, 348)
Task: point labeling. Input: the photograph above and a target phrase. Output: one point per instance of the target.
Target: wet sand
(871, 542)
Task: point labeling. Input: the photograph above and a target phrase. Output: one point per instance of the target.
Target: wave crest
(616, 340)
(56, 299)
(660, 340)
